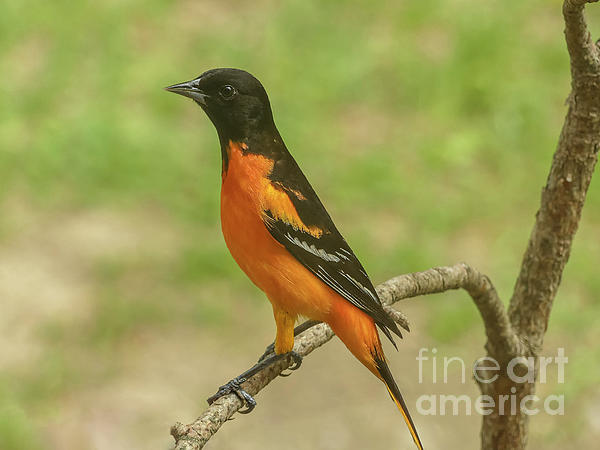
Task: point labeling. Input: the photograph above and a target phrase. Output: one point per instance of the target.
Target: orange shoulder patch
(283, 187)
(250, 174)
(277, 201)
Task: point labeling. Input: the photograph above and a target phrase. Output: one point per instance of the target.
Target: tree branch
(555, 226)
(195, 435)
(541, 270)
(564, 194)
(502, 342)
(582, 50)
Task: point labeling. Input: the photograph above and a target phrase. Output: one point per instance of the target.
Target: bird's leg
(235, 385)
(299, 329)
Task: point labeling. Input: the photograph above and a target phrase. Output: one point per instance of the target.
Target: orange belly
(286, 282)
(245, 193)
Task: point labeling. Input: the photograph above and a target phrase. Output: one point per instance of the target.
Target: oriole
(281, 235)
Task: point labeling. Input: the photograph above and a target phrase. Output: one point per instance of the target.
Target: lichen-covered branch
(440, 279)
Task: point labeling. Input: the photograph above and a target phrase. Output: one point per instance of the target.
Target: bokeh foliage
(427, 128)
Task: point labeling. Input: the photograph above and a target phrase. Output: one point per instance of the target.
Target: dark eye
(227, 92)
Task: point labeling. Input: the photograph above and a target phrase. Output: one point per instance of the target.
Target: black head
(235, 101)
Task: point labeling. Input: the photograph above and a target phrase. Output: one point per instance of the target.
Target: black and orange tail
(392, 387)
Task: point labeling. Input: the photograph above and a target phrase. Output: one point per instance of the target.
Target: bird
(280, 234)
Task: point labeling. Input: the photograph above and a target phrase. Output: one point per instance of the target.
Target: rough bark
(195, 435)
(518, 332)
(555, 225)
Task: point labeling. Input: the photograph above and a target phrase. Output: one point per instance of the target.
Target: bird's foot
(270, 350)
(235, 386)
(296, 363)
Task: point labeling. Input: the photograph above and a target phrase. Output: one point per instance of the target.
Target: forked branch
(541, 271)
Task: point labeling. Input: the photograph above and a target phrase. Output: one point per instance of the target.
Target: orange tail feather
(359, 333)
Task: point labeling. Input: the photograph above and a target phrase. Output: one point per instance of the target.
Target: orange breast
(246, 192)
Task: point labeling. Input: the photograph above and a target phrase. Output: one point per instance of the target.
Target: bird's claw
(296, 360)
(270, 350)
(235, 386)
(248, 399)
(296, 363)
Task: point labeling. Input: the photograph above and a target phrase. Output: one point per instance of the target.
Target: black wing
(328, 256)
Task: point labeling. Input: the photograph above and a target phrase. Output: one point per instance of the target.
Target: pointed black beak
(189, 89)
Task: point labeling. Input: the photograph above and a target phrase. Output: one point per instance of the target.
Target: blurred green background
(426, 127)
